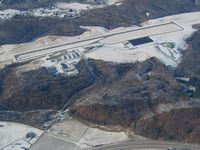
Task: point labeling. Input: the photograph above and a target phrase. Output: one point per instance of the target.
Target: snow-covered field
(15, 136)
(83, 136)
(78, 6)
(159, 49)
(119, 54)
(94, 137)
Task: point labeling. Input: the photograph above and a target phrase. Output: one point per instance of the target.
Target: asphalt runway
(110, 38)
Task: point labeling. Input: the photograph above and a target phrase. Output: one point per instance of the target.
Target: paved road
(143, 144)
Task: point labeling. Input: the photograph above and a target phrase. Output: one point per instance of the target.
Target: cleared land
(172, 29)
(14, 136)
(48, 142)
(73, 135)
(110, 38)
(142, 32)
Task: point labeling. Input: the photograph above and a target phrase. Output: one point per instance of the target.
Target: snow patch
(114, 2)
(15, 136)
(78, 6)
(8, 13)
(94, 137)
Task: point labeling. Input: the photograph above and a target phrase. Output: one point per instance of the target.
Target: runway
(110, 38)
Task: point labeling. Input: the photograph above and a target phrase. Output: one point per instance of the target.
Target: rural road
(146, 144)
